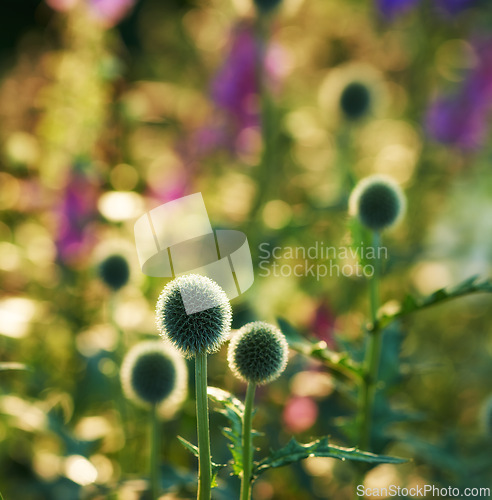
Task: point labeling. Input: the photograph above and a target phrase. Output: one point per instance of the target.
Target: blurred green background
(109, 108)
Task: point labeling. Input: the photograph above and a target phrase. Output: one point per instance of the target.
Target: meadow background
(109, 108)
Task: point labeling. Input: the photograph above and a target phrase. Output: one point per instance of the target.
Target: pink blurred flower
(110, 12)
(300, 413)
(323, 325)
(62, 5)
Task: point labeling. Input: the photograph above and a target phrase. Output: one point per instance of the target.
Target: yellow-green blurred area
(109, 108)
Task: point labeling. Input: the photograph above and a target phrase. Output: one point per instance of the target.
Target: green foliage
(340, 363)
(233, 410)
(295, 451)
(412, 304)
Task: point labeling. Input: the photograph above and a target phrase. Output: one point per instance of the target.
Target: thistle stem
(204, 462)
(247, 443)
(372, 357)
(154, 458)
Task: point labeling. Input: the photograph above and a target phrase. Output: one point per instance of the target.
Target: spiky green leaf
(295, 451)
(338, 362)
(411, 304)
(233, 410)
(194, 451)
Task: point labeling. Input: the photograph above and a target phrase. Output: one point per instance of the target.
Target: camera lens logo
(177, 238)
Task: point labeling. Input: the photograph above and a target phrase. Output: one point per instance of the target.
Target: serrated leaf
(233, 410)
(194, 451)
(339, 362)
(295, 451)
(410, 304)
(11, 366)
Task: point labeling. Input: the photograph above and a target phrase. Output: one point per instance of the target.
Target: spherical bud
(355, 100)
(378, 202)
(258, 353)
(267, 5)
(114, 271)
(194, 313)
(154, 373)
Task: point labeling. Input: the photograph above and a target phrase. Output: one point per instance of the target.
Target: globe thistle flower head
(378, 202)
(355, 100)
(153, 373)
(267, 5)
(114, 271)
(194, 314)
(258, 353)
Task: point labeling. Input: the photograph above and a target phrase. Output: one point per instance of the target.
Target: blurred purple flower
(462, 120)
(236, 87)
(454, 7)
(75, 211)
(111, 12)
(393, 8)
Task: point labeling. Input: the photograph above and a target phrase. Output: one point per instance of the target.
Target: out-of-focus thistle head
(154, 373)
(258, 353)
(355, 100)
(200, 332)
(378, 202)
(114, 271)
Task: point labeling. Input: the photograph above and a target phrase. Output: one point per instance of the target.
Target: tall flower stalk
(257, 355)
(373, 353)
(378, 203)
(193, 312)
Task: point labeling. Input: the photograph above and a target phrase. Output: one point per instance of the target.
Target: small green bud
(267, 5)
(258, 353)
(378, 202)
(355, 100)
(114, 271)
(153, 373)
(192, 333)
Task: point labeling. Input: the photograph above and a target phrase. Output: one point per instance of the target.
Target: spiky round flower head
(486, 417)
(258, 353)
(154, 373)
(378, 202)
(266, 5)
(200, 332)
(355, 100)
(114, 271)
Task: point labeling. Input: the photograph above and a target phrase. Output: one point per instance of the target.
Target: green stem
(154, 458)
(373, 354)
(204, 462)
(247, 443)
